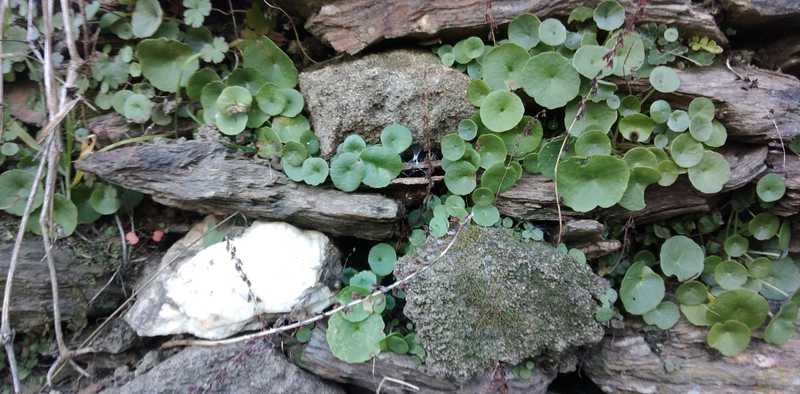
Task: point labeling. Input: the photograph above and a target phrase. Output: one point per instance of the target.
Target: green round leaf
(671, 34)
(501, 111)
(453, 147)
(596, 116)
(396, 137)
(636, 127)
(701, 128)
(588, 61)
(247, 78)
(230, 124)
(381, 166)
(477, 92)
(718, 135)
(783, 279)
(274, 65)
(295, 129)
(467, 130)
(686, 152)
(460, 178)
(660, 111)
(759, 268)
(679, 121)
(137, 108)
(552, 32)
(146, 18)
(315, 170)
(482, 196)
(271, 99)
(524, 30)
(382, 258)
(664, 79)
(691, 293)
(696, 314)
(9, 149)
(736, 245)
(352, 144)
(663, 316)
(764, 226)
(711, 174)
(743, 305)
(208, 98)
(294, 103)
(681, 257)
(630, 57)
(630, 105)
(771, 187)
(468, 49)
(550, 79)
(730, 338)
(347, 171)
(485, 215)
(15, 186)
(609, 15)
(502, 66)
(198, 80)
(294, 153)
(105, 199)
(781, 329)
(492, 150)
(597, 181)
(355, 342)
(499, 177)
(730, 275)
(234, 100)
(669, 173)
(701, 106)
(167, 64)
(641, 290)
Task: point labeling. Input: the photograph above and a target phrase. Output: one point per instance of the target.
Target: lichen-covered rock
(494, 297)
(278, 268)
(364, 95)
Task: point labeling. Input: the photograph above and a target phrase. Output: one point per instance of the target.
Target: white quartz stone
(206, 296)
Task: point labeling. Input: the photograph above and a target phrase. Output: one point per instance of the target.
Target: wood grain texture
(316, 357)
(767, 13)
(533, 198)
(679, 361)
(747, 107)
(352, 25)
(203, 176)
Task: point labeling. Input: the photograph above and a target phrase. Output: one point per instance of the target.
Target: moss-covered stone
(495, 297)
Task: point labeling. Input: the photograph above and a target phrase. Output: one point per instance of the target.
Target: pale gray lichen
(494, 297)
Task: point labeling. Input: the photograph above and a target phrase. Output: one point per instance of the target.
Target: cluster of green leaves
(376, 166)
(725, 284)
(358, 333)
(559, 69)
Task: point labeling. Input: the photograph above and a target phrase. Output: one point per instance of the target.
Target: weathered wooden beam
(678, 361)
(788, 166)
(533, 198)
(352, 25)
(754, 104)
(203, 176)
(316, 357)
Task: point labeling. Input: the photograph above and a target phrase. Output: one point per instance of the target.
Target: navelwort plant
(615, 149)
(725, 282)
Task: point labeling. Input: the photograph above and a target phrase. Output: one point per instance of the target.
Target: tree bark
(202, 176)
(352, 25)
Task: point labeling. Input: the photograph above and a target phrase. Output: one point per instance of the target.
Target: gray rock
(364, 95)
(494, 297)
(253, 367)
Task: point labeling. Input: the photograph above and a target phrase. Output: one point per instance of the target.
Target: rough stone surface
(243, 368)
(678, 361)
(494, 297)
(366, 94)
(207, 295)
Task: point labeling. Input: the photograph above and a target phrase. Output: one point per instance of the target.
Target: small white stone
(206, 296)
